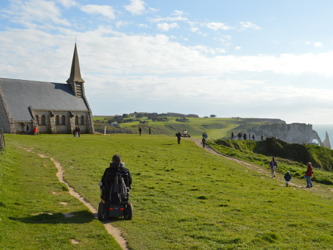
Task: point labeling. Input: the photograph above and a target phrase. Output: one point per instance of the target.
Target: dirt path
(115, 232)
(260, 170)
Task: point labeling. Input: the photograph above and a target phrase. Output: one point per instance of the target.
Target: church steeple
(75, 76)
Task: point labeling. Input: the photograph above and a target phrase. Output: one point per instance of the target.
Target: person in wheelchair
(115, 166)
(115, 185)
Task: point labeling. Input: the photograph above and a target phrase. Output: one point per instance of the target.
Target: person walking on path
(179, 136)
(232, 135)
(253, 137)
(35, 130)
(140, 130)
(262, 137)
(308, 175)
(78, 131)
(2, 140)
(28, 129)
(203, 142)
(287, 178)
(273, 165)
(150, 130)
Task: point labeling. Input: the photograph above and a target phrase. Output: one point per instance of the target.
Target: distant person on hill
(249, 136)
(204, 135)
(78, 131)
(273, 165)
(150, 130)
(203, 142)
(239, 135)
(287, 178)
(35, 130)
(245, 136)
(140, 130)
(28, 129)
(262, 137)
(253, 137)
(308, 175)
(232, 135)
(179, 136)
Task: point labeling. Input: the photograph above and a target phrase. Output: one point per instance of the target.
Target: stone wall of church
(61, 122)
(4, 119)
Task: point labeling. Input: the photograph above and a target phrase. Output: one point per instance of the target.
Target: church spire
(75, 75)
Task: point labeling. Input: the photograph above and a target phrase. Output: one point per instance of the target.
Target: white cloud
(216, 26)
(34, 11)
(136, 7)
(194, 29)
(120, 23)
(186, 39)
(143, 25)
(178, 13)
(67, 3)
(153, 10)
(168, 19)
(249, 25)
(308, 43)
(167, 26)
(238, 48)
(317, 44)
(103, 10)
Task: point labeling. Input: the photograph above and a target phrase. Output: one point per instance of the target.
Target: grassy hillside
(33, 204)
(291, 157)
(187, 198)
(215, 127)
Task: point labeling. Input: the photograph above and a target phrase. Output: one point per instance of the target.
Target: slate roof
(20, 94)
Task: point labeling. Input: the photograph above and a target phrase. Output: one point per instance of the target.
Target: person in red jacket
(35, 130)
(308, 175)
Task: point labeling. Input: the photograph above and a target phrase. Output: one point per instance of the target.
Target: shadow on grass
(168, 144)
(79, 217)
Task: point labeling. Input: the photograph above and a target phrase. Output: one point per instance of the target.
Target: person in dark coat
(287, 178)
(232, 135)
(179, 136)
(140, 130)
(78, 131)
(112, 170)
(150, 130)
(274, 166)
(28, 129)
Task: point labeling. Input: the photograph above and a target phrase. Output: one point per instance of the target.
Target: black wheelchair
(113, 204)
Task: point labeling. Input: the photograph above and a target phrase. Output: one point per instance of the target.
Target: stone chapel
(54, 108)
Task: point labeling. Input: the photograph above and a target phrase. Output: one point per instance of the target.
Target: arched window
(77, 120)
(37, 118)
(43, 120)
(82, 120)
(57, 120)
(63, 120)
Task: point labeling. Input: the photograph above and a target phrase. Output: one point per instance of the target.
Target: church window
(77, 120)
(82, 120)
(43, 120)
(63, 120)
(37, 118)
(57, 120)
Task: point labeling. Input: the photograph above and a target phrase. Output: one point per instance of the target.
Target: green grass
(187, 198)
(31, 216)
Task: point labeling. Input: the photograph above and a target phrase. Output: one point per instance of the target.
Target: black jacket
(112, 170)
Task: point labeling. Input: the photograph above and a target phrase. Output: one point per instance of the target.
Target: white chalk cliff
(326, 142)
(291, 133)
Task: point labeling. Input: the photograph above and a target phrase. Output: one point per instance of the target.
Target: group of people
(287, 177)
(140, 130)
(77, 132)
(34, 130)
(240, 135)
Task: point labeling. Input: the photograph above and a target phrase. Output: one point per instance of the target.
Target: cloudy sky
(229, 58)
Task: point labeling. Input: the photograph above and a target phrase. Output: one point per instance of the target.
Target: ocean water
(321, 130)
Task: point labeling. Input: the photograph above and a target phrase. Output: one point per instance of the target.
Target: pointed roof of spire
(75, 75)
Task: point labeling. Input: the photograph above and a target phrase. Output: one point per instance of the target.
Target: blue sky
(229, 58)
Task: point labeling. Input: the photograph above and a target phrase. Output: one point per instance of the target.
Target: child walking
(287, 178)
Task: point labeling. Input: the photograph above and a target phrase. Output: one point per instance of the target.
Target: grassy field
(214, 127)
(33, 204)
(183, 196)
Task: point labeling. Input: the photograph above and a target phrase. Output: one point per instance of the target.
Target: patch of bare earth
(115, 232)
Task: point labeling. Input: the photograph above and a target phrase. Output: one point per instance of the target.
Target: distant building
(55, 108)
